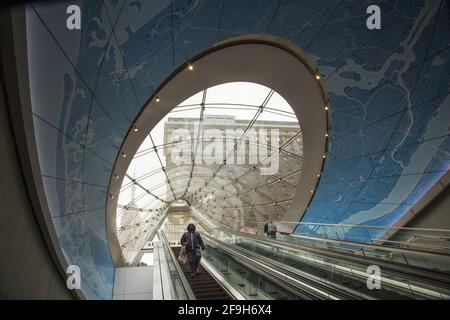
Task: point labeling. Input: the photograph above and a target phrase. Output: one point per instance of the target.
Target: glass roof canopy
(233, 151)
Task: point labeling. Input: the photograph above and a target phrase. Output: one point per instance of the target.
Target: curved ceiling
(388, 91)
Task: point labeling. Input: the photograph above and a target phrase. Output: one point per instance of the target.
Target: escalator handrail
(414, 272)
(269, 272)
(182, 277)
(352, 243)
(378, 246)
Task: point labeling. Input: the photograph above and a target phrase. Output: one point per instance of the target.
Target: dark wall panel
(27, 270)
(436, 215)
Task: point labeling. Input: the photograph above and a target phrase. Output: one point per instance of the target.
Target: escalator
(221, 276)
(348, 272)
(204, 285)
(241, 266)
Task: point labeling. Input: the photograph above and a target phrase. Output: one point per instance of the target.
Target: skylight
(233, 151)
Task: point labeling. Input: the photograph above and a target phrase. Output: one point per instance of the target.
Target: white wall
(133, 283)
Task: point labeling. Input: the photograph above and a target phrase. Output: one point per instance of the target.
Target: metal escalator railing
(415, 257)
(420, 239)
(436, 261)
(179, 285)
(403, 281)
(420, 242)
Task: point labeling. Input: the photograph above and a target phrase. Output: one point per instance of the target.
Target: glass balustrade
(339, 273)
(249, 283)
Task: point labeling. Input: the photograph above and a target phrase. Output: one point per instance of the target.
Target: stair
(203, 285)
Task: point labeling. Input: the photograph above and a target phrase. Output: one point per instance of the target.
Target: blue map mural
(388, 91)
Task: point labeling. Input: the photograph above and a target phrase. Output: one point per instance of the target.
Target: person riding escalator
(193, 242)
(270, 229)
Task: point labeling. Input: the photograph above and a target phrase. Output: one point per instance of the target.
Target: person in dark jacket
(194, 246)
(270, 229)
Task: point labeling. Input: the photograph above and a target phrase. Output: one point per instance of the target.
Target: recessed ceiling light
(190, 67)
(157, 99)
(318, 76)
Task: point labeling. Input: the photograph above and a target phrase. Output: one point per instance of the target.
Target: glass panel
(250, 284)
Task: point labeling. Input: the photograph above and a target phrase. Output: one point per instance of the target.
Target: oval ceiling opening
(233, 152)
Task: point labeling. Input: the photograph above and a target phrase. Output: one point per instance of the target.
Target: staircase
(203, 285)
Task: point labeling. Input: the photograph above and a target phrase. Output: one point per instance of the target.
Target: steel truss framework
(235, 194)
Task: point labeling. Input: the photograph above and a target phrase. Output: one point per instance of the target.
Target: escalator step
(195, 279)
(207, 290)
(202, 275)
(202, 282)
(204, 285)
(210, 296)
(220, 298)
(215, 298)
(202, 289)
